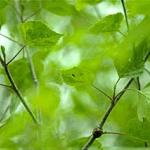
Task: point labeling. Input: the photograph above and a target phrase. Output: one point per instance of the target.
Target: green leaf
(13, 129)
(52, 74)
(21, 74)
(129, 55)
(77, 76)
(47, 100)
(109, 23)
(131, 61)
(37, 34)
(39, 65)
(80, 4)
(139, 129)
(59, 7)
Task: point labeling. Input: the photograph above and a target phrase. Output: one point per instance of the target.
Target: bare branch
(16, 90)
(138, 83)
(16, 55)
(4, 85)
(105, 94)
(118, 133)
(32, 68)
(147, 71)
(147, 56)
(125, 13)
(107, 113)
(4, 113)
(122, 33)
(11, 39)
(119, 95)
(18, 93)
(89, 143)
(115, 86)
(33, 14)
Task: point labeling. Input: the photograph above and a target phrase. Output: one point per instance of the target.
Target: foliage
(65, 64)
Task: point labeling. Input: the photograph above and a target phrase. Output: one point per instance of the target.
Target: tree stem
(125, 13)
(16, 55)
(11, 39)
(18, 93)
(89, 143)
(16, 90)
(107, 113)
(114, 101)
(32, 68)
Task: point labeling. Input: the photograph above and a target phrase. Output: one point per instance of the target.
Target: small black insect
(73, 75)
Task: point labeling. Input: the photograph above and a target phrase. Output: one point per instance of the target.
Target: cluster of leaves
(70, 48)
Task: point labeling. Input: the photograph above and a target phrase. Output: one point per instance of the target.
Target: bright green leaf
(21, 74)
(132, 62)
(47, 100)
(139, 129)
(37, 34)
(77, 76)
(109, 23)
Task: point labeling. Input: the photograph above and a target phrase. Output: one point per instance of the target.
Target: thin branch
(16, 55)
(21, 8)
(33, 14)
(125, 13)
(122, 33)
(147, 71)
(19, 11)
(18, 93)
(31, 65)
(115, 86)
(4, 113)
(138, 91)
(118, 133)
(3, 125)
(106, 115)
(32, 68)
(89, 143)
(114, 102)
(124, 134)
(15, 9)
(119, 95)
(16, 90)
(4, 85)
(105, 94)
(11, 39)
(103, 120)
(138, 83)
(147, 57)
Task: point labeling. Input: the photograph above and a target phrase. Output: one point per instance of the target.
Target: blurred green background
(73, 46)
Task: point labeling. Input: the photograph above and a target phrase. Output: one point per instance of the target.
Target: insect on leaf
(77, 76)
